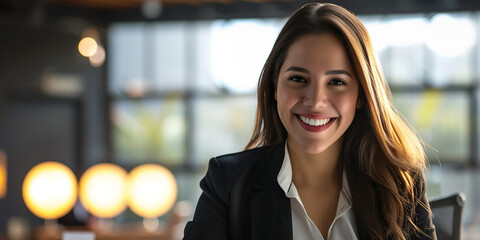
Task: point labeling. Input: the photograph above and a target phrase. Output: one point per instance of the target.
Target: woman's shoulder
(249, 163)
(245, 158)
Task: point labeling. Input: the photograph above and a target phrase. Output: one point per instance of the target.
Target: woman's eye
(297, 79)
(337, 82)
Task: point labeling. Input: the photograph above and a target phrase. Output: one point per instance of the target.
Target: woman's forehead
(325, 49)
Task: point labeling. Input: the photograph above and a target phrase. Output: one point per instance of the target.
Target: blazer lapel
(272, 217)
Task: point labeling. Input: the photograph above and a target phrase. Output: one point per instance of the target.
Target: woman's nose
(316, 97)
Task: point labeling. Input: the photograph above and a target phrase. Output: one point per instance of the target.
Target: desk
(124, 232)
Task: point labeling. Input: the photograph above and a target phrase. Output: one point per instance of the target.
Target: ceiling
(129, 4)
(108, 11)
(134, 10)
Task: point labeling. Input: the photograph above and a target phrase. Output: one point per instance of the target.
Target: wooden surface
(124, 232)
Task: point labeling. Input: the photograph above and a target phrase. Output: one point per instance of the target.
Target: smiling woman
(329, 157)
(317, 96)
(316, 93)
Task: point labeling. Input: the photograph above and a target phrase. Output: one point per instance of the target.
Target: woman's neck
(316, 170)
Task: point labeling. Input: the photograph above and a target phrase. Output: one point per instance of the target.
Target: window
(429, 62)
(183, 92)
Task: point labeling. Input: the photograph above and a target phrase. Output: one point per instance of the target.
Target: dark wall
(37, 127)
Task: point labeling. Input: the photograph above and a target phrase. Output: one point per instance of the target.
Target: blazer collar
(265, 175)
(269, 205)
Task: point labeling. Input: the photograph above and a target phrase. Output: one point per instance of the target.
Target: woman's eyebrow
(336, 72)
(331, 72)
(297, 69)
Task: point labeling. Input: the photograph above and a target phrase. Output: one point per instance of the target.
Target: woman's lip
(311, 128)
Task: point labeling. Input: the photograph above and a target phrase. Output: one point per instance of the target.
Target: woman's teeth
(314, 122)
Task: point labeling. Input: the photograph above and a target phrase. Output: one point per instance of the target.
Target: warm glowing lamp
(102, 190)
(50, 190)
(3, 174)
(152, 192)
(87, 46)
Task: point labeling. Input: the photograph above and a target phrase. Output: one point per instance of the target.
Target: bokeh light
(152, 190)
(136, 87)
(98, 58)
(87, 46)
(50, 190)
(102, 190)
(3, 174)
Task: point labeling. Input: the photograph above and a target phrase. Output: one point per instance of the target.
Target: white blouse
(343, 226)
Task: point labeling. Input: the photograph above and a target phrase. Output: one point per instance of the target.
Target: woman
(330, 157)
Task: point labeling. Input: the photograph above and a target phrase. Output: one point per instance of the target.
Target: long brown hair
(383, 157)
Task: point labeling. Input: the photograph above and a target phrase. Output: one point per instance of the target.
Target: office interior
(168, 84)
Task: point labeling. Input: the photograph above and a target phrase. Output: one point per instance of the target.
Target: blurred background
(172, 83)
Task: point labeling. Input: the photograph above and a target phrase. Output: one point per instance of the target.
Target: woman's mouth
(314, 124)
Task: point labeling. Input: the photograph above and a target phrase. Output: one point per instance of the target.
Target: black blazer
(241, 199)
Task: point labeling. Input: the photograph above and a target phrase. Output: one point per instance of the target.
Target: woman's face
(317, 92)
